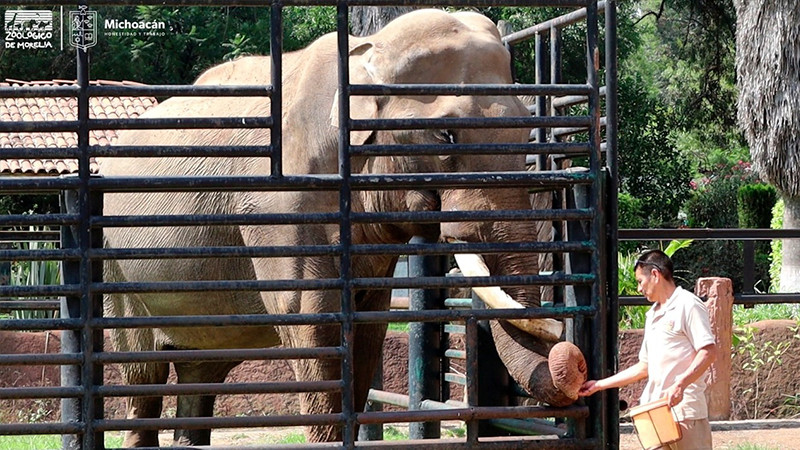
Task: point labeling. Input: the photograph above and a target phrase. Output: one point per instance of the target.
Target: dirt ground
(769, 389)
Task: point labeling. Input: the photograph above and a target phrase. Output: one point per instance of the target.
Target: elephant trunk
(549, 372)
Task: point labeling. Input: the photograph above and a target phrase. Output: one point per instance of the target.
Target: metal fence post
(424, 341)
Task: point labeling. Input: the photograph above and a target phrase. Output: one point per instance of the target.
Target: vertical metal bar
(471, 344)
(612, 396)
(373, 431)
(276, 107)
(70, 309)
(486, 365)
(558, 194)
(424, 342)
(749, 259)
(541, 100)
(597, 328)
(345, 232)
(91, 304)
(555, 63)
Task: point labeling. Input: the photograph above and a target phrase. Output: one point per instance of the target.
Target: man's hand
(589, 388)
(674, 393)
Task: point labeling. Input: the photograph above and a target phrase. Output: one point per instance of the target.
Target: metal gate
(583, 250)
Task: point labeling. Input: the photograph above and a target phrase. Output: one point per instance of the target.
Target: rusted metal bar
(217, 388)
(242, 354)
(558, 22)
(534, 148)
(194, 423)
(473, 89)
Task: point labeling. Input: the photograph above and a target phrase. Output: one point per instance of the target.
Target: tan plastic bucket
(655, 425)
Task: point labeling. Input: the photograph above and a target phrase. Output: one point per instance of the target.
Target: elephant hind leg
(144, 407)
(198, 405)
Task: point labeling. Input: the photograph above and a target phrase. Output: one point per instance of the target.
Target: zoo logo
(28, 29)
(83, 28)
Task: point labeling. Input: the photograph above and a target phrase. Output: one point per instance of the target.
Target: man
(677, 349)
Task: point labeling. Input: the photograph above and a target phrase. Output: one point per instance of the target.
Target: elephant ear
(362, 71)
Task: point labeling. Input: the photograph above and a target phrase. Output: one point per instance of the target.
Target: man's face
(646, 279)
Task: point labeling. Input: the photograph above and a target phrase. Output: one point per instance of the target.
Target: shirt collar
(671, 303)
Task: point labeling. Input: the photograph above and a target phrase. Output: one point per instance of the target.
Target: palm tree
(366, 20)
(768, 72)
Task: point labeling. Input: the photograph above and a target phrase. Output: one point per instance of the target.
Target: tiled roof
(60, 108)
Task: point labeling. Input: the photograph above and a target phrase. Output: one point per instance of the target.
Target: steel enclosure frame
(82, 224)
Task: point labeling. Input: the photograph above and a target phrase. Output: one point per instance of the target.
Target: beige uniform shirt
(673, 334)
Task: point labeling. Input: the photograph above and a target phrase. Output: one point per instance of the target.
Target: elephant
(424, 46)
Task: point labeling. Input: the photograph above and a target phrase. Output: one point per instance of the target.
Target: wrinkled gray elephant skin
(426, 46)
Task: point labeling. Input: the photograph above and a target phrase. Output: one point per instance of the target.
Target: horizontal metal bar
(41, 392)
(16, 429)
(41, 255)
(556, 178)
(38, 126)
(321, 218)
(226, 183)
(755, 299)
(181, 151)
(239, 354)
(25, 220)
(40, 324)
(29, 91)
(40, 290)
(194, 423)
(455, 354)
(164, 123)
(35, 185)
(456, 378)
(216, 252)
(446, 315)
(471, 123)
(454, 329)
(216, 321)
(29, 305)
(557, 278)
(739, 234)
(558, 22)
(190, 90)
(473, 247)
(494, 443)
(39, 152)
(533, 148)
(217, 286)
(215, 388)
(458, 303)
(215, 219)
(472, 413)
(29, 236)
(30, 359)
(571, 100)
(470, 89)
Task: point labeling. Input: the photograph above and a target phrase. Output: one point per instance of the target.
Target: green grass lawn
(49, 441)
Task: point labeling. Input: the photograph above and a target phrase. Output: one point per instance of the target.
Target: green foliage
(24, 204)
(34, 273)
(743, 316)
(760, 361)
(391, 433)
(776, 256)
(49, 441)
(755, 203)
(630, 211)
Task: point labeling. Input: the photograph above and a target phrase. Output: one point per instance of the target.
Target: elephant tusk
(472, 265)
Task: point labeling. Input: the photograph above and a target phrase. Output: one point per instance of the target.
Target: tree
(366, 20)
(767, 55)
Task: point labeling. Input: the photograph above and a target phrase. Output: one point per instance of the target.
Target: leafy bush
(755, 202)
(776, 261)
(714, 205)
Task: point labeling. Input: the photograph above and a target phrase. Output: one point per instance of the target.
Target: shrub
(754, 203)
(776, 256)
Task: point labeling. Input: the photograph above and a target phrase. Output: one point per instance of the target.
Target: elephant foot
(567, 368)
(140, 438)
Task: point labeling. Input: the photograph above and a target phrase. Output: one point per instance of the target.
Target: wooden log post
(719, 294)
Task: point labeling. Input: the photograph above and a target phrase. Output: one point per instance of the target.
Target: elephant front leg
(144, 407)
(198, 405)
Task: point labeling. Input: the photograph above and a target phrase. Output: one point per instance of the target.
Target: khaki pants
(696, 436)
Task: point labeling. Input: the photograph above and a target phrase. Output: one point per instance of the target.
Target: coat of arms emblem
(83, 28)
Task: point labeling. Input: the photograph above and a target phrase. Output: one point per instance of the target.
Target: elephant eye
(446, 136)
